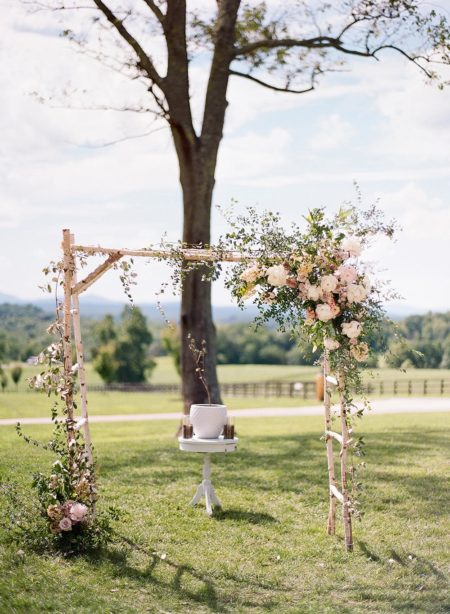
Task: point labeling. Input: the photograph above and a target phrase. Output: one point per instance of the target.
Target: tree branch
(123, 139)
(144, 60)
(156, 11)
(215, 100)
(317, 42)
(235, 73)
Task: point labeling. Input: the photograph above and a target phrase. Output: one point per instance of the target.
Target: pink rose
(291, 282)
(78, 512)
(65, 524)
(331, 344)
(347, 273)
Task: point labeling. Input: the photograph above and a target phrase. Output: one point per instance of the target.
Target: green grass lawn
(30, 404)
(267, 551)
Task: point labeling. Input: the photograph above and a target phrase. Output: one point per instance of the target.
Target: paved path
(384, 406)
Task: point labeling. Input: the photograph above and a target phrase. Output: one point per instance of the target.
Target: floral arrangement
(314, 282)
(68, 494)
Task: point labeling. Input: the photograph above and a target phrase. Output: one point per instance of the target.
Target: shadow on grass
(297, 464)
(181, 579)
(242, 516)
(416, 564)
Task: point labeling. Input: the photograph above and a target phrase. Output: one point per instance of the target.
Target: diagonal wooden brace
(84, 284)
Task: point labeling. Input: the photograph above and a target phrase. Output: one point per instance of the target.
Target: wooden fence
(301, 390)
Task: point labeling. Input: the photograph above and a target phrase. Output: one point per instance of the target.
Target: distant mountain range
(96, 307)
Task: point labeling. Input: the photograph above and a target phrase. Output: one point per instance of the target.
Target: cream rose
(360, 352)
(356, 293)
(328, 283)
(251, 274)
(352, 245)
(277, 275)
(352, 329)
(324, 312)
(312, 292)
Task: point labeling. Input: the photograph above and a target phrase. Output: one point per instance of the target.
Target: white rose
(331, 344)
(356, 293)
(324, 312)
(352, 245)
(313, 292)
(328, 283)
(251, 274)
(352, 329)
(277, 275)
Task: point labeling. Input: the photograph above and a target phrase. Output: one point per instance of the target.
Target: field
(267, 551)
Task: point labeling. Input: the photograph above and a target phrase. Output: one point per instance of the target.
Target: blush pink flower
(347, 273)
(331, 344)
(78, 512)
(65, 524)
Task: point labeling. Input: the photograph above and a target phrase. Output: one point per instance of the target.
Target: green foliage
(171, 342)
(427, 342)
(16, 374)
(241, 344)
(3, 379)
(26, 528)
(122, 355)
(22, 331)
(105, 362)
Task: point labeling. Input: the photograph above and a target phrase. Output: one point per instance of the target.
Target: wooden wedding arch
(71, 323)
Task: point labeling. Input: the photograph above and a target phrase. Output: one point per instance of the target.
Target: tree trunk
(197, 180)
(197, 157)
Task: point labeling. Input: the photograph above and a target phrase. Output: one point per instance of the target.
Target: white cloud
(253, 156)
(417, 262)
(129, 194)
(332, 132)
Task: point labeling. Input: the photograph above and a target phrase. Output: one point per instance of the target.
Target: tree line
(123, 349)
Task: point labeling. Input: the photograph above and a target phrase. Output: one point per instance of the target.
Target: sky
(379, 125)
